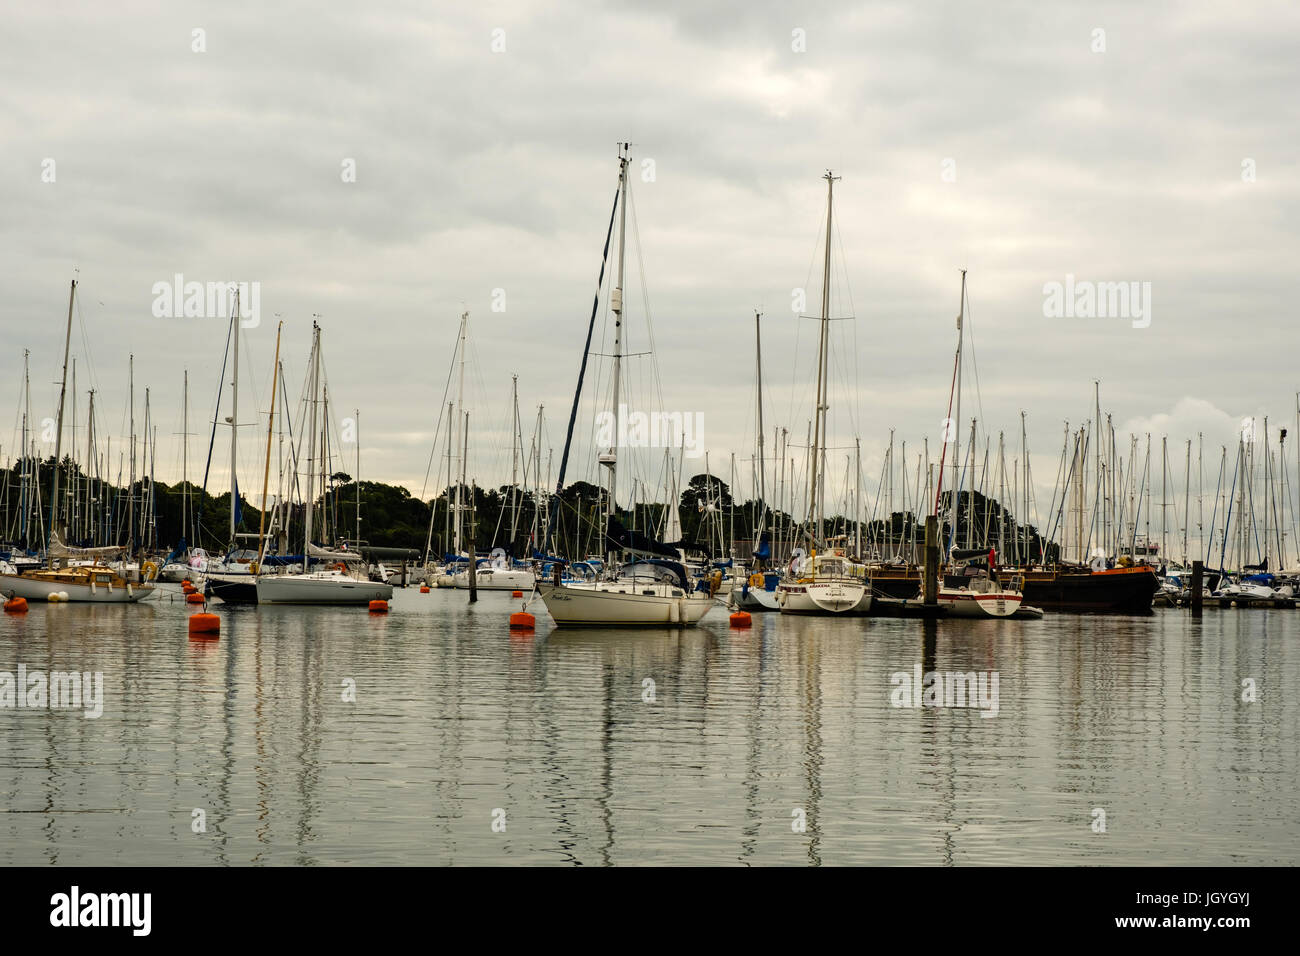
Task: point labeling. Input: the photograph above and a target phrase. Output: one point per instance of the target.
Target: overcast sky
(1010, 139)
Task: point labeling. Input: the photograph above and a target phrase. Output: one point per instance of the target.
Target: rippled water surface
(750, 734)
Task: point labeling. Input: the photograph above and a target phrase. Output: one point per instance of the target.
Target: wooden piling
(930, 581)
(1198, 575)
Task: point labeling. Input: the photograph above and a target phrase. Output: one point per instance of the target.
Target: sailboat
(233, 578)
(337, 583)
(654, 588)
(756, 591)
(826, 581)
(971, 585)
(92, 583)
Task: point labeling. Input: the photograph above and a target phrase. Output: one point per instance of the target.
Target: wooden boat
(1065, 588)
(93, 584)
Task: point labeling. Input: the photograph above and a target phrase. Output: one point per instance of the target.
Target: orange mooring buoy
(194, 597)
(516, 594)
(741, 619)
(378, 607)
(206, 624)
(16, 605)
(424, 589)
(522, 621)
(187, 587)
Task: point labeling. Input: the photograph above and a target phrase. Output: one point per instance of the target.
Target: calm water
(454, 718)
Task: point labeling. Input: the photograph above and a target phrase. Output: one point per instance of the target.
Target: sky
(383, 168)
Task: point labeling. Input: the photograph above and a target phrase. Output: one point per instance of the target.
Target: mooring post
(473, 533)
(930, 583)
(1198, 574)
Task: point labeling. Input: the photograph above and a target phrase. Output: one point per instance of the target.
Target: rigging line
(975, 369)
(212, 440)
(812, 262)
(645, 296)
(573, 413)
(85, 345)
(437, 431)
(854, 417)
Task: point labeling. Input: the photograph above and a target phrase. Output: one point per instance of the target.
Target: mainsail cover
(619, 538)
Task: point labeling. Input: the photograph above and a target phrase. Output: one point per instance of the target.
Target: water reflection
(454, 718)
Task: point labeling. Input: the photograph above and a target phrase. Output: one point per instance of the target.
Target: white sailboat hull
(313, 589)
(496, 579)
(15, 585)
(823, 597)
(754, 599)
(625, 604)
(962, 603)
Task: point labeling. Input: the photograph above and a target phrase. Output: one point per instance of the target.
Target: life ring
(252, 567)
(338, 566)
(149, 571)
(756, 580)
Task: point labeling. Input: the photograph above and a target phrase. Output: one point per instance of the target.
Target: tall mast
(90, 461)
(953, 425)
(71, 511)
(515, 441)
(328, 506)
(1187, 500)
(58, 434)
(311, 447)
(358, 424)
(24, 496)
(1096, 434)
(1024, 463)
(857, 498)
(452, 428)
(130, 489)
(758, 362)
(145, 466)
(819, 436)
(266, 471)
(460, 418)
(185, 461)
(610, 458)
(234, 424)
(1164, 497)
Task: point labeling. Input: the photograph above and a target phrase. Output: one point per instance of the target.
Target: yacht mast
(311, 447)
(610, 458)
(460, 417)
(357, 412)
(819, 436)
(234, 424)
(58, 434)
(185, 449)
(266, 471)
(516, 441)
(953, 426)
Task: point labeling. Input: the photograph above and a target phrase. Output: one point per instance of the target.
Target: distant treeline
(99, 513)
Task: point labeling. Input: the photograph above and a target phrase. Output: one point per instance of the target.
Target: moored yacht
(826, 583)
(93, 584)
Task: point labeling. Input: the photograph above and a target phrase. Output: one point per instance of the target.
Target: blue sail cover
(619, 538)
